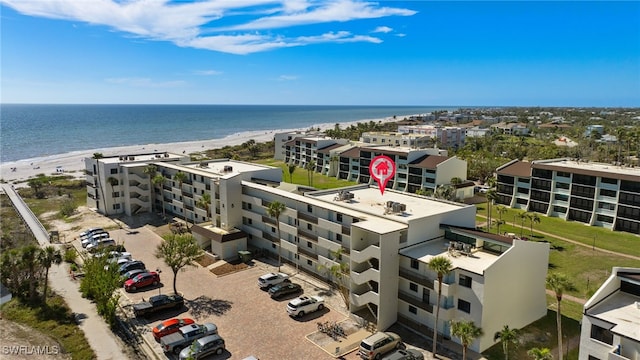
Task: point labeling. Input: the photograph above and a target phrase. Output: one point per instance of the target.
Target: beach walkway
(100, 337)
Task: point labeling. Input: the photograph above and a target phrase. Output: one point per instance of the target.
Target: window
(309, 262)
(309, 244)
(114, 171)
(116, 206)
(601, 334)
(339, 237)
(561, 185)
(464, 281)
(415, 264)
(413, 287)
(609, 181)
(309, 208)
(115, 194)
(273, 229)
(413, 309)
(273, 246)
(464, 306)
(609, 193)
(339, 217)
(591, 357)
(309, 227)
(249, 206)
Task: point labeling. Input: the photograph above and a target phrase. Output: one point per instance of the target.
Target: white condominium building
(611, 319)
(385, 241)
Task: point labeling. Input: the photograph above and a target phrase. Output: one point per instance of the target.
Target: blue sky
(340, 52)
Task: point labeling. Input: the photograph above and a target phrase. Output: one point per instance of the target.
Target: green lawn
(300, 176)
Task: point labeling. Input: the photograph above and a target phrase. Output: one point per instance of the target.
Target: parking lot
(250, 322)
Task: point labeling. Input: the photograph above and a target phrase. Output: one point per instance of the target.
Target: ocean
(29, 131)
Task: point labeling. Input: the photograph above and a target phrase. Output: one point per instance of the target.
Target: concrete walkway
(100, 337)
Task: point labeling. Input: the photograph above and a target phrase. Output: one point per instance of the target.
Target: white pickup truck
(268, 280)
(304, 305)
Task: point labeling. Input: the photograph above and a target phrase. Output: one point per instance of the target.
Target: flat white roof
(476, 263)
(217, 168)
(593, 166)
(138, 158)
(620, 309)
(369, 200)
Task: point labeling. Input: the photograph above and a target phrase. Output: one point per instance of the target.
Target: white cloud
(207, 72)
(382, 29)
(287, 77)
(220, 25)
(145, 82)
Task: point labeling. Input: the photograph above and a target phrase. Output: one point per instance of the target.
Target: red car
(170, 326)
(142, 280)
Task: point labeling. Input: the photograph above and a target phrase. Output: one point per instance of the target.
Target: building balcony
(270, 237)
(308, 218)
(365, 276)
(308, 236)
(372, 251)
(307, 252)
(417, 278)
(363, 299)
(268, 220)
(613, 355)
(415, 301)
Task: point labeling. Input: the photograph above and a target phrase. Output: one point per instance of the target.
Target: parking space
(247, 318)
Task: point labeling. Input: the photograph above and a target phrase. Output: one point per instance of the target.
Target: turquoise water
(29, 131)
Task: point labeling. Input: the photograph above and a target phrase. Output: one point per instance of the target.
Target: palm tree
(47, 257)
(467, 332)
(151, 170)
(180, 177)
(492, 196)
(456, 181)
(446, 192)
(498, 223)
(339, 273)
(559, 283)
(275, 209)
(506, 335)
(523, 215)
(533, 218)
(291, 167)
(159, 180)
(540, 354)
(424, 192)
(311, 165)
(442, 266)
(500, 209)
(204, 203)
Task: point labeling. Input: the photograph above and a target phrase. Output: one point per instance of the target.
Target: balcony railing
(268, 220)
(306, 235)
(307, 253)
(417, 278)
(308, 218)
(415, 301)
(270, 237)
(346, 230)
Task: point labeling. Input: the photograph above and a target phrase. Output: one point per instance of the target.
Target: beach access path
(100, 337)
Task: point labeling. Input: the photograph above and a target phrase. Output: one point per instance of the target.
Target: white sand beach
(18, 172)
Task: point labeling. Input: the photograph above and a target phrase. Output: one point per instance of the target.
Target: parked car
(284, 289)
(90, 239)
(142, 280)
(186, 336)
(90, 231)
(304, 305)
(132, 265)
(100, 244)
(378, 344)
(117, 263)
(268, 280)
(158, 303)
(203, 347)
(407, 354)
(170, 326)
(132, 273)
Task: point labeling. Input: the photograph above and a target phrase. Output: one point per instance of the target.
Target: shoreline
(72, 163)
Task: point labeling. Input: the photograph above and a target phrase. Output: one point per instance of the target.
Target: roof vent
(394, 208)
(344, 195)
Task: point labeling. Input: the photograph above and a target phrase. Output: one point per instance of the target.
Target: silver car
(211, 344)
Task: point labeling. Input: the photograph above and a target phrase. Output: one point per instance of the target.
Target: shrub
(67, 208)
(70, 255)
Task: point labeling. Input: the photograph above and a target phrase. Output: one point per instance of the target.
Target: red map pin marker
(381, 169)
